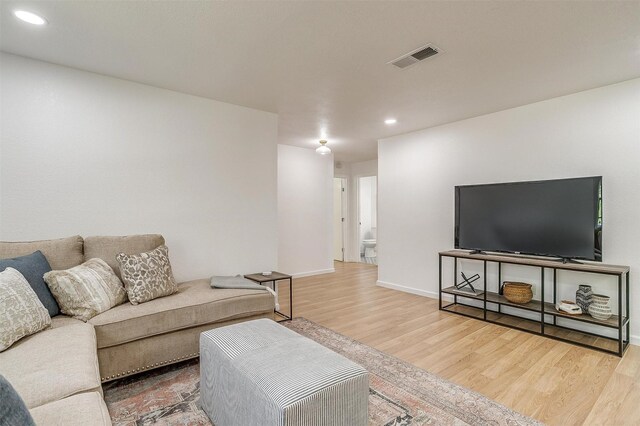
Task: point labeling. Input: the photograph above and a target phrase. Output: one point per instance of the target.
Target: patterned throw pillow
(21, 312)
(147, 275)
(86, 290)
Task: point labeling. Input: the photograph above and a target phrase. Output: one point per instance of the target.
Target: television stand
(539, 316)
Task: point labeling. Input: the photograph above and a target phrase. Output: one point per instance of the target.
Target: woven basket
(516, 292)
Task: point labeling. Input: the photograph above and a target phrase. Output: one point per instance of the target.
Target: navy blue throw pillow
(13, 411)
(33, 267)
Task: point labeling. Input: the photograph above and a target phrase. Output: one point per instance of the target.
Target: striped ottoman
(261, 373)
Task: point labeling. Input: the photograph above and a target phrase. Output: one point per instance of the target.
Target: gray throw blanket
(241, 282)
(237, 281)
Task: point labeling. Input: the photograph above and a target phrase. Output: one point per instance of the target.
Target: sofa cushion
(63, 253)
(106, 247)
(22, 312)
(33, 266)
(54, 363)
(195, 303)
(78, 410)
(148, 275)
(86, 290)
(63, 321)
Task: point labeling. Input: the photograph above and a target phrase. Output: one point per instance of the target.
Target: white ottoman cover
(261, 373)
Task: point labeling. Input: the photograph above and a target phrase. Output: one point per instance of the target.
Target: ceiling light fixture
(29, 17)
(323, 149)
(390, 121)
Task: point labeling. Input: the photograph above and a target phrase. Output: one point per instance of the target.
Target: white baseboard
(635, 339)
(406, 289)
(311, 273)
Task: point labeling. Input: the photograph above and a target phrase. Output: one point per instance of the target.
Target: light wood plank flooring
(554, 382)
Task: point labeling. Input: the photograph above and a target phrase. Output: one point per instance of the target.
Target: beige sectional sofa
(58, 371)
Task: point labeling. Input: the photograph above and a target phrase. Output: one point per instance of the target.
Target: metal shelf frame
(492, 301)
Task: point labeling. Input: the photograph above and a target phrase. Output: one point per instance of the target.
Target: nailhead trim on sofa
(157, 364)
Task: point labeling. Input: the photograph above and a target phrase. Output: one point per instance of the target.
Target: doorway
(368, 219)
(339, 208)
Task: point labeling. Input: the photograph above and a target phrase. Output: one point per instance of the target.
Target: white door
(338, 218)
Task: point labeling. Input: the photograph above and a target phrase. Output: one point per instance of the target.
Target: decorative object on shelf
(516, 292)
(568, 307)
(584, 297)
(467, 282)
(599, 308)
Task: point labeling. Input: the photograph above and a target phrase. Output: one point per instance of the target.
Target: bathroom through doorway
(368, 219)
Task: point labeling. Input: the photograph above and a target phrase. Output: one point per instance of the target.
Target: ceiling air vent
(415, 56)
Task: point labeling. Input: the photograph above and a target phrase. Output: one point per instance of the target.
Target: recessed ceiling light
(29, 17)
(390, 121)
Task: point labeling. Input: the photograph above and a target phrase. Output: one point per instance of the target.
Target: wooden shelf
(534, 305)
(524, 324)
(513, 321)
(469, 311)
(453, 290)
(600, 268)
(612, 322)
(493, 297)
(574, 336)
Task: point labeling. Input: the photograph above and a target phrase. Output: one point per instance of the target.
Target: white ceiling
(323, 65)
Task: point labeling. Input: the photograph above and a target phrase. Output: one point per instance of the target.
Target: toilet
(370, 243)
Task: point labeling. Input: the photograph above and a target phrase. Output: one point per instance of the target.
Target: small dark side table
(274, 278)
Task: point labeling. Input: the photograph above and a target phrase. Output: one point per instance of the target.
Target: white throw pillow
(21, 312)
(86, 290)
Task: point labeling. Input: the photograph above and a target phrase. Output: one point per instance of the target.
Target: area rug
(400, 393)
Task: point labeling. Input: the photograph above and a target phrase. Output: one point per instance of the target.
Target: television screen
(561, 218)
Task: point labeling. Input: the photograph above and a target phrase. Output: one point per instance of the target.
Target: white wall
(364, 168)
(88, 154)
(596, 132)
(305, 205)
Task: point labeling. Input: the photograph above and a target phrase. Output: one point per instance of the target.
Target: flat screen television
(560, 218)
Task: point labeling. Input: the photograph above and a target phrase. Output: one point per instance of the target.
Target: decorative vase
(599, 308)
(584, 297)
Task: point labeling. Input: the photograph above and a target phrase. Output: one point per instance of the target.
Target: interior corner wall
(88, 154)
(305, 211)
(595, 132)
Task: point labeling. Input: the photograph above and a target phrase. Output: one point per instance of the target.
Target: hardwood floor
(554, 382)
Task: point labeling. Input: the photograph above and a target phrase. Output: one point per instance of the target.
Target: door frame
(344, 181)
